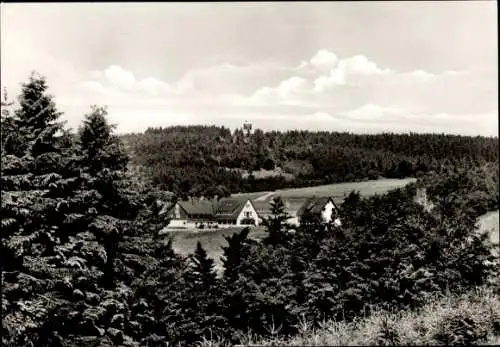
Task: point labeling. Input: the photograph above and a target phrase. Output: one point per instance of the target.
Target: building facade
(226, 212)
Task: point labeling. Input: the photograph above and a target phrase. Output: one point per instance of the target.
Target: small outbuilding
(323, 209)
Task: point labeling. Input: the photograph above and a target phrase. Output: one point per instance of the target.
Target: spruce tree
(104, 160)
(8, 128)
(201, 274)
(233, 253)
(101, 148)
(201, 301)
(38, 185)
(276, 223)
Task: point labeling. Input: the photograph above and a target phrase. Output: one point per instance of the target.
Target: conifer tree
(8, 133)
(201, 300)
(233, 254)
(38, 186)
(101, 148)
(37, 118)
(276, 223)
(104, 160)
(201, 274)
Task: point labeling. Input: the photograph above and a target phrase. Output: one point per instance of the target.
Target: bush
(457, 329)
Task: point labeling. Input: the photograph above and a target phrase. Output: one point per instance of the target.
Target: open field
(342, 189)
(295, 197)
(184, 241)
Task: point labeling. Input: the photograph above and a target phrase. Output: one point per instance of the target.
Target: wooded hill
(194, 160)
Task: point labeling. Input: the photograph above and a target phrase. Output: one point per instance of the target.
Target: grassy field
(295, 197)
(184, 242)
(334, 190)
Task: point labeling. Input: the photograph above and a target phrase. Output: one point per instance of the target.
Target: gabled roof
(315, 205)
(199, 207)
(167, 206)
(230, 208)
(226, 208)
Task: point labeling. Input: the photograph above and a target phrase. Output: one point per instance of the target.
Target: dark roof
(314, 205)
(229, 208)
(198, 207)
(262, 205)
(226, 208)
(166, 207)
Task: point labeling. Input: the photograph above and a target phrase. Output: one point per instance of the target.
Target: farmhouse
(236, 212)
(324, 209)
(225, 212)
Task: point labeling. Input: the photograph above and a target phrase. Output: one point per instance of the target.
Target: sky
(362, 67)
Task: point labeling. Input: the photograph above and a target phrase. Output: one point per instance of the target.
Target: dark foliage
(192, 160)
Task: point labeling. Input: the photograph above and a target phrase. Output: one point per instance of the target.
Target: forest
(83, 263)
(197, 160)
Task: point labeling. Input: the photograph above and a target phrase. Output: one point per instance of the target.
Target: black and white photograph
(253, 173)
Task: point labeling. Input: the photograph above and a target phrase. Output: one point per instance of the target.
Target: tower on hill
(247, 127)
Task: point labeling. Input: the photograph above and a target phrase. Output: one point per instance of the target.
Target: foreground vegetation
(83, 262)
(471, 318)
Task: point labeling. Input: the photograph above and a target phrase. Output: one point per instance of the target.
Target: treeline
(190, 159)
(83, 264)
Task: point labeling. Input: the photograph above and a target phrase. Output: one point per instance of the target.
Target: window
(248, 214)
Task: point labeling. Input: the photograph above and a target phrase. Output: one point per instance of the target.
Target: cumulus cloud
(324, 92)
(322, 60)
(287, 90)
(348, 70)
(116, 79)
(154, 86)
(325, 70)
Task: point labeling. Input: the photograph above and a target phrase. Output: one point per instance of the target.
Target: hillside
(295, 197)
(211, 160)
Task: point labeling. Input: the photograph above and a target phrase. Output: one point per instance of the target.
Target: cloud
(287, 90)
(117, 77)
(154, 86)
(356, 81)
(347, 70)
(325, 70)
(419, 75)
(324, 92)
(322, 60)
(115, 80)
(372, 112)
(405, 120)
(229, 78)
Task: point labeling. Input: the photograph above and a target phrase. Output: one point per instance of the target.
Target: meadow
(295, 197)
(184, 241)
